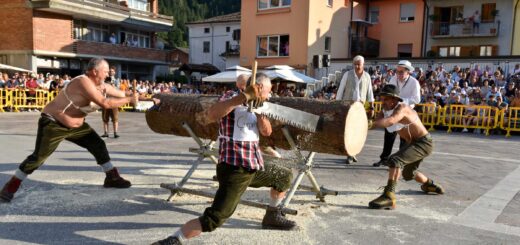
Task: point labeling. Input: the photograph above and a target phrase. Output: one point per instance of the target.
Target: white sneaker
(465, 130)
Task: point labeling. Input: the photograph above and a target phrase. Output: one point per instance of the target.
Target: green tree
(185, 11)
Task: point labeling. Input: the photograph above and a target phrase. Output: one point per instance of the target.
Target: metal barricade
(483, 117)
(429, 114)
(510, 120)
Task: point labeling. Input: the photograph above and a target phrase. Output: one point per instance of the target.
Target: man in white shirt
(410, 92)
(356, 85)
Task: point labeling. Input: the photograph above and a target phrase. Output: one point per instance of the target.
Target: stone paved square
(64, 202)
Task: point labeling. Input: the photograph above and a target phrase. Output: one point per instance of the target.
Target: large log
(342, 130)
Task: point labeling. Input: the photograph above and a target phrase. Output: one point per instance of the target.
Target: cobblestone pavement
(64, 203)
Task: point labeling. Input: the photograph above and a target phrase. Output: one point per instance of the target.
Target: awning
(228, 76)
(13, 68)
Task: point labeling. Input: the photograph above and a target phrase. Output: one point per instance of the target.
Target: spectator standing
(476, 22)
(410, 93)
(356, 86)
(111, 113)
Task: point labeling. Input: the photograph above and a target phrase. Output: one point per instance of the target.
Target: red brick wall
(107, 49)
(52, 32)
(16, 26)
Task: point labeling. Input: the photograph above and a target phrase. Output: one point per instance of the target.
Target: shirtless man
(403, 119)
(64, 119)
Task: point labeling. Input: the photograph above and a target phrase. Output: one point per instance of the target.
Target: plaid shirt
(237, 153)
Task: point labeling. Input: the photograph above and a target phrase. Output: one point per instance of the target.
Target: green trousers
(51, 133)
(233, 181)
(410, 156)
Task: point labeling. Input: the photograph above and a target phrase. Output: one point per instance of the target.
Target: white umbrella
(13, 68)
(287, 73)
(228, 76)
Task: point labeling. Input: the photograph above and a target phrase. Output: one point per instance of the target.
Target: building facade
(215, 41)
(476, 28)
(60, 36)
(293, 33)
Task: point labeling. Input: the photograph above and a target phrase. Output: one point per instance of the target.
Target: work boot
(430, 186)
(385, 201)
(114, 180)
(379, 163)
(7, 193)
(171, 240)
(275, 219)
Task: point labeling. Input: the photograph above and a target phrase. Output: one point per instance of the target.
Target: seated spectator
(501, 105)
(2, 79)
(470, 115)
(493, 92)
(485, 88)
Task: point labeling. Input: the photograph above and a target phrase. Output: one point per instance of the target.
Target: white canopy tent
(13, 68)
(228, 76)
(288, 73)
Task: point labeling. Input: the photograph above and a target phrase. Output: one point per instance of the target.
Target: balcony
(365, 46)
(463, 30)
(117, 51)
(106, 11)
(232, 50)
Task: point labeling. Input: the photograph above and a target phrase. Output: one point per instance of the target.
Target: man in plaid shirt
(241, 163)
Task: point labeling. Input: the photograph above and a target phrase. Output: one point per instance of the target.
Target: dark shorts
(410, 156)
(233, 182)
(107, 114)
(51, 133)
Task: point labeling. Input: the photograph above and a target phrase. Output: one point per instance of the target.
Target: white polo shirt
(409, 90)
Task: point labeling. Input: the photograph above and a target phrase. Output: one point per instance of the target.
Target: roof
(202, 68)
(234, 17)
(184, 50)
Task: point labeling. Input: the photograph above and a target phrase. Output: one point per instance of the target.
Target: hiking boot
(275, 219)
(114, 180)
(381, 162)
(385, 201)
(7, 193)
(429, 188)
(105, 135)
(171, 240)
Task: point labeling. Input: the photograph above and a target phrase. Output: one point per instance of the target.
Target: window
(329, 3)
(206, 30)
(449, 51)
(97, 32)
(407, 12)
(77, 31)
(205, 49)
(228, 47)
(140, 39)
(327, 44)
(373, 14)
(488, 11)
(139, 5)
(404, 50)
(228, 29)
(486, 50)
(269, 4)
(273, 46)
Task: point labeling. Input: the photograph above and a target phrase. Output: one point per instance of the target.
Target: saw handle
(253, 81)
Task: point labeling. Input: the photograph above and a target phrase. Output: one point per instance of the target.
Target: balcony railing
(365, 46)
(109, 6)
(120, 51)
(463, 29)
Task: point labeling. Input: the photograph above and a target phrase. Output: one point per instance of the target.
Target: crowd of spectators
(439, 86)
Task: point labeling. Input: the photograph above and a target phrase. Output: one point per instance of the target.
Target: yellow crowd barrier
(477, 117)
(510, 120)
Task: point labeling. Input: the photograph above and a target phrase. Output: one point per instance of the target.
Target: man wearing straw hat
(401, 118)
(356, 85)
(410, 91)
